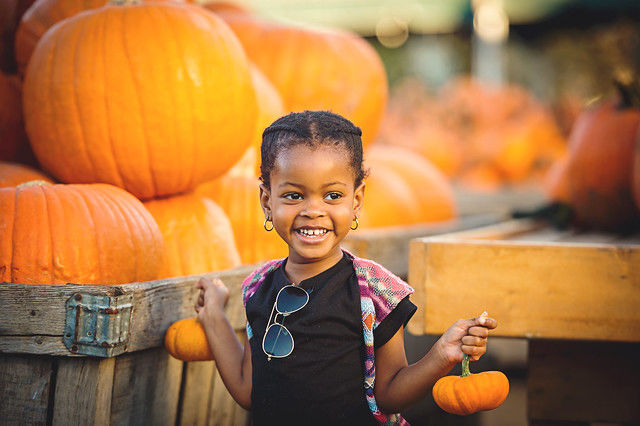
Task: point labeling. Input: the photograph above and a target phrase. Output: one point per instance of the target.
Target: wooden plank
(33, 316)
(83, 391)
(197, 387)
(25, 385)
(583, 381)
(146, 388)
(534, 290)
(224, 411)
(390, 246)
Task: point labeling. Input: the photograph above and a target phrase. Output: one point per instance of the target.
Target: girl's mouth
(312, 234)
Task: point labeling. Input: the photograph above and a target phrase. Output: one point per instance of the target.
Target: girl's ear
(358, 199)
(265, 200)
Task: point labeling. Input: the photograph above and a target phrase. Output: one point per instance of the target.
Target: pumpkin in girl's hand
(41, 16)
(186, 340)
(152, 97)
(468, 393)
(197, 235)
(317, 69)
(83, 234)
(239, 197)
(12, 174)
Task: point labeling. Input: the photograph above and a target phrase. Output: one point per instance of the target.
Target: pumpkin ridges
(152, 168)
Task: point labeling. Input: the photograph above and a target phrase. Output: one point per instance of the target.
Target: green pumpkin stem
(32, 183)
(124, 2)
(465, 366)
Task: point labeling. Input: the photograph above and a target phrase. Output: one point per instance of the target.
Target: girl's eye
(333, 196)
(293, 196)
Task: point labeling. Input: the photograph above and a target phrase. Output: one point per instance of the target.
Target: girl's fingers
(475, 352)
(478, 331)
(474, 341)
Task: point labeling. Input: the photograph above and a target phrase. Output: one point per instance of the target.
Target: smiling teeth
(312, 232)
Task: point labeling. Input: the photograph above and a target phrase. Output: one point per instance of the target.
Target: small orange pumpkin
(186, 340)
(468, 393)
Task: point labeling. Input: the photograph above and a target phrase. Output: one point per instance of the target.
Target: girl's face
(312, 201)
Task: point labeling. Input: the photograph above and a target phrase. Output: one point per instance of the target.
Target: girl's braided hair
(311, 128)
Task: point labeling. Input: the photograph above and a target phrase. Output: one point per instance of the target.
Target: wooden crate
(575, 296)
(135, 381)
(131, 378)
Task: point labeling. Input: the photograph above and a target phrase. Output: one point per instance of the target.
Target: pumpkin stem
(124, 2)
(465, 366)
(32, 183)
(629, 90)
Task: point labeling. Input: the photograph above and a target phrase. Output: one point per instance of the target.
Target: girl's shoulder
(382, 287)
(255, 278)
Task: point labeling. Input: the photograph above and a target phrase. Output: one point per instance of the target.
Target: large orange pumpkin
(154, 98)
(84, 234)
(42, 16)
(428, 193)
(239, 197)
(197, 235)
(270, 108)
(317, 69)
(14, 145)
(599, 169)
(12, 174)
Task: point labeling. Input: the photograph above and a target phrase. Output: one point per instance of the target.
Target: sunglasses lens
(278, 341)
(290, 299)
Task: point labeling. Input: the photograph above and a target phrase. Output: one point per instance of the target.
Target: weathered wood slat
(83, 391)
(583, 381)
(197, 388)
(535, 289)
(146, 388)
(25, 385)
(33, 317)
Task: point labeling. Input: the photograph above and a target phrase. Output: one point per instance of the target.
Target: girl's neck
(298, 271)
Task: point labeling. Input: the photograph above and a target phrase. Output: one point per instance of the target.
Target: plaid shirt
(380, 293)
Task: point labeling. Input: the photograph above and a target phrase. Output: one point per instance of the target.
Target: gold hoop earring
(356, 227)
(267, 220)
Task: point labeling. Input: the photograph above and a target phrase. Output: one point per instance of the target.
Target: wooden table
(575, 296)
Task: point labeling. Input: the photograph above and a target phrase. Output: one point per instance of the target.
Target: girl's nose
(313, 209)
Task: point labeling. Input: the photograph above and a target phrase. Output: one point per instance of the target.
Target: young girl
(324, 341)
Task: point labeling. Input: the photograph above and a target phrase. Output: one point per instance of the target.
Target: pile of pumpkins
(483, 136)
(143, 121)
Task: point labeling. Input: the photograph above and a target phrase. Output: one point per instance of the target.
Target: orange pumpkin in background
(83, 234)
(14, 145)
(13, 174)
(152, 97)
(317, 69)
(428, 185)
(239, 197)
(10, 13)
(41, 16)
(600, 164)
(197, 235)
(270, 108)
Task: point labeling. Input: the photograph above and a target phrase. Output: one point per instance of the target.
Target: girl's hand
(213, 296)
(466, 336)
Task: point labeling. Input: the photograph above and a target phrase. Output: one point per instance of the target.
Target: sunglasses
(277, 341)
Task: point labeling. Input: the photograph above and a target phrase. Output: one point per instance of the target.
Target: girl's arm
(399, 385)
(233, 359)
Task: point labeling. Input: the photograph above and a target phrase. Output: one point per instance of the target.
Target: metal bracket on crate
(97, 325)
